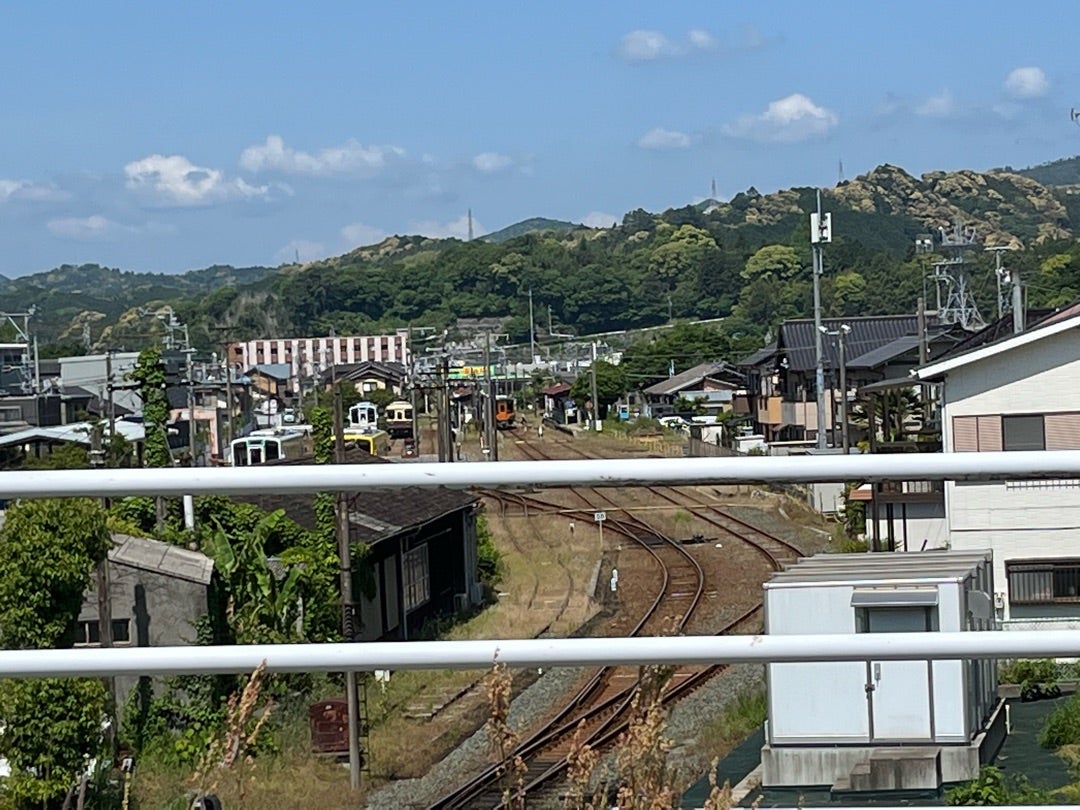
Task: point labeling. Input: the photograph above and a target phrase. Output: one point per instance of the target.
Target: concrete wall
(163, 610)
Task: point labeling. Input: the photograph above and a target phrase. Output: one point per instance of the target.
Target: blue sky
(170, 137)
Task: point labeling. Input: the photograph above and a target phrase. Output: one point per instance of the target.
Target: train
(399, 419)
(271, 444)
(504, 412)
(363, 415)
(372, 440)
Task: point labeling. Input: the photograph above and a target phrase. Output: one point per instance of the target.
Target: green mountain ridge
(531, 225)
(689, 262)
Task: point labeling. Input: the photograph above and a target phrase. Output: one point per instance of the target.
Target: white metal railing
(399, 655)
(539, 652)
(1026, 465)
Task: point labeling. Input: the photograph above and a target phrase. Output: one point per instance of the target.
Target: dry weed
(230, 752)
(503, 739)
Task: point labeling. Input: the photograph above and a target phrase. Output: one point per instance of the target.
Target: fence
(1010, 466)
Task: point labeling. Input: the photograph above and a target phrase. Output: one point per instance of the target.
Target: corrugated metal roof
(162, 558)
(797, 342)
(882, 568)
(78, 432)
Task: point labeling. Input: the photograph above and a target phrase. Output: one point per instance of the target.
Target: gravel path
(470, 757)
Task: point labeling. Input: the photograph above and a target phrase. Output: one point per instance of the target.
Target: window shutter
(1063, 431)
(965, 434)
(989, 434)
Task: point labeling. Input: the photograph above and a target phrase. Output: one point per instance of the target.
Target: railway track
(600, 711)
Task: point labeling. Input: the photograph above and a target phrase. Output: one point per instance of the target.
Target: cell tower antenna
(839, 172)
(714, 188)
(470, 225)
(952, 278)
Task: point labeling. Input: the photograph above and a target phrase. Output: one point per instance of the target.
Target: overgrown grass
(741, 717)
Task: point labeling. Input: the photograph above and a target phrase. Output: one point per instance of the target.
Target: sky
(168, 137)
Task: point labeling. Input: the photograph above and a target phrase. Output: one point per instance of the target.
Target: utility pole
(489, 404)
(840, 335)
(597, 425)
(348, 625)
(820, 232)
(532, 331)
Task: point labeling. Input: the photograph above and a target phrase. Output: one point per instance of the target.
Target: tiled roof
(281, 372)
(685, 379)
(797, 341)
(373, 515)
(758, 357)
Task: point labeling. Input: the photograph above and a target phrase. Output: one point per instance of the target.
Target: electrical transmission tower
(952, 279)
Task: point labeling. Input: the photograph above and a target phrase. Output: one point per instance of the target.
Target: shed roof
(373, 516)
(884, 569)
(162, 558)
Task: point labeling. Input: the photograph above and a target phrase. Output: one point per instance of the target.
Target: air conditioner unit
(461, 602)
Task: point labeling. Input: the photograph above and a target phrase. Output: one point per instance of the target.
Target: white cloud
(645, 45)
(599, 219)
(661, 138)
(1027, 82)
(458, 228)
(360, 234)
(940, 105)
(786, 120)
(83, 229)
(31, 192)
(350, 158)
(175, 180)
(702, 40)
(303, 249)
(491, 162)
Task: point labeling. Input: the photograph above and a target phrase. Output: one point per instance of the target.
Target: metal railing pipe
(539, 652)
(1022, 465)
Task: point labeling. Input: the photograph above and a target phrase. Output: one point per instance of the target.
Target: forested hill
(745, 259)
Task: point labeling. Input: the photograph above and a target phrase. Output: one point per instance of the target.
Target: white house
(1020, 393)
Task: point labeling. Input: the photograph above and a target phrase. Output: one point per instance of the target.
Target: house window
(1023, 432)
(417, 577)
(88, 633)
(1043, 582)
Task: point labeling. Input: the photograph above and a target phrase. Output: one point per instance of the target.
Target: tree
(261, 608)
(52, 727)
(610, 384)
(775, 261)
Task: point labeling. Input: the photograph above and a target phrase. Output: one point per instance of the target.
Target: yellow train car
(374, 442)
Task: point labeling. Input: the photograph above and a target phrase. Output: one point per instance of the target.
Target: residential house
(910, 515)
(158, 592)
(781, 388)
(711, 385)
(367, 376)
(1018, 393)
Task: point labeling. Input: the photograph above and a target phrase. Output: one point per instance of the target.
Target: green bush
(994, 787)
(1042, 670)
(1063, 725)
(1037, 678)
